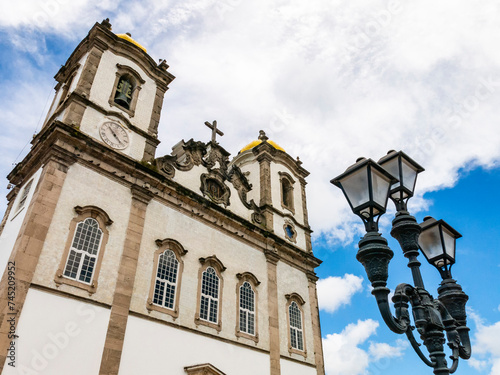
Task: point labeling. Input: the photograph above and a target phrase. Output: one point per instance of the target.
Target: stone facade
(223, 222)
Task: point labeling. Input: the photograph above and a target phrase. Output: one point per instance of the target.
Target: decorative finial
(106, 23)
(163, 65)
(215, 131)
(130, 35)
(262, 136)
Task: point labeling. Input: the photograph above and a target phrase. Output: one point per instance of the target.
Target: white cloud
(343, 355)
(486, 345)
(328, 80)
(379, 350)
(334, 291)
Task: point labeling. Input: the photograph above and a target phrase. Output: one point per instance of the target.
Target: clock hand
(114, 135)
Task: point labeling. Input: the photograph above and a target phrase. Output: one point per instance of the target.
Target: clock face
(114, 135)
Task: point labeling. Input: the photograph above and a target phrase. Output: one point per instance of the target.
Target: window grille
(247, 309)
(296, 333)
(209, 295)
(83, 252)
(166, 280)
(24, 195)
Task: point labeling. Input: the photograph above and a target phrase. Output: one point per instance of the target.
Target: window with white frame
(24, 195)
(209, 302)
(296, 331)
(85, 246)
(84, 251)
(247, 309)
(166, 277)
(210, 289)
(166, 280)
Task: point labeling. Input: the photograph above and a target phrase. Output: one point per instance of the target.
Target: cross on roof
(215, 131)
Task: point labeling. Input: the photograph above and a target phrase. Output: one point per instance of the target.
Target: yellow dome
(258, 142)
(128, 38)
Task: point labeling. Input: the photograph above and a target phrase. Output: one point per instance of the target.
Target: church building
(121, 261)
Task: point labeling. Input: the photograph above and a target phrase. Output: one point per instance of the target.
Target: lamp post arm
(375, 255)
(416, 347)
(454, 365)
(397, 325)
(465, 349)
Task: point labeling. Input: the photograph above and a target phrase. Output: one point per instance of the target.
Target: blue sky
(329, 81)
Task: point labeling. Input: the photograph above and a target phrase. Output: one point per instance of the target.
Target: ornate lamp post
(395, 175)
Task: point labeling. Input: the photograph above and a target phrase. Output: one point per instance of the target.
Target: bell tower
(112, 90)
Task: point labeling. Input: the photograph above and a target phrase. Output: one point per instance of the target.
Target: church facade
(118, 261)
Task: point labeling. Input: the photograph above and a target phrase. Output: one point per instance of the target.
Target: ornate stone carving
(212, 186)
(186, 155)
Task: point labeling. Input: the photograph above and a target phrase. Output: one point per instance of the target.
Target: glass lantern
(366, 187)
(405, 169)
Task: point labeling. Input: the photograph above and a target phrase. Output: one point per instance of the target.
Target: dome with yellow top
(128, 38)
(262, 138)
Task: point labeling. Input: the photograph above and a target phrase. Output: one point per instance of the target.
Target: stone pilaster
(29, 244)
(272, 258)
(111, 356)
(318, 344)
(89, 71)
(306, 215)
(266, 200)
(155, 115)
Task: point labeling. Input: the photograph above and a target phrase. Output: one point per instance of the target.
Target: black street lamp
(432, 317)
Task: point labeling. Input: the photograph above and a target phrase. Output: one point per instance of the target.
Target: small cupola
(262, 138)
(128, 38)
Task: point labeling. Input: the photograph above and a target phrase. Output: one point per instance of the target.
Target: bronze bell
(123, 94)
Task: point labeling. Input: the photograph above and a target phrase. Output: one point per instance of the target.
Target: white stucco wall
(292, 280)
(294, 368)
(83, 187)
(156, 349)
(201, 240)
(190, 179)
(15, 221)
(58, 335)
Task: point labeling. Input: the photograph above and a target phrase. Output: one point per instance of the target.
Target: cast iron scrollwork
(433, 318)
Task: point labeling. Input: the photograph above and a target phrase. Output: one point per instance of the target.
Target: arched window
(83, 252)
(167, 276)
(246, 323)
(81, 261)
(123, 94)
(210, 293)
(286, 183)
(166, 280)
(296, 334)
(209, 305)
(128, 83)
(247, 309)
